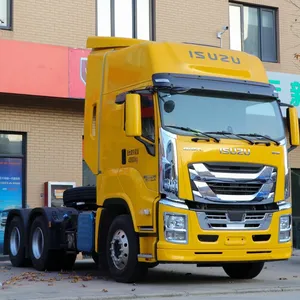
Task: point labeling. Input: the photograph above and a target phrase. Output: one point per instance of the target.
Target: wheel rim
(119, 249)
(37, 242)
(15, 241)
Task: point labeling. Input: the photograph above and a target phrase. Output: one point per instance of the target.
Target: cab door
(139, 174)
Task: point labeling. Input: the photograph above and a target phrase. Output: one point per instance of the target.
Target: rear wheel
(243, 270)
(122, 251)
(16, 240)
(39, 247)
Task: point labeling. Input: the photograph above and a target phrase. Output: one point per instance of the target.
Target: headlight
(285, 227)
(175, 228)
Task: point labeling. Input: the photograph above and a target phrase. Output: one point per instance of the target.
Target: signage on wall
(65, 68)
(77, 72)
(288, 88)
(83, 65)
(54, 190)
(11, 193)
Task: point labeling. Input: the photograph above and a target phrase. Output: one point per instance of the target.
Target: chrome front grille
(233, 168)
(224, 188)
(234, 220)
(232, 182)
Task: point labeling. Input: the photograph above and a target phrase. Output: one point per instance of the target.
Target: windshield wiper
(197, 132)
(259, 136)
(230, 133)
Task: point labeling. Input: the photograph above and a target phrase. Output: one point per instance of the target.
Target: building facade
(42, 63)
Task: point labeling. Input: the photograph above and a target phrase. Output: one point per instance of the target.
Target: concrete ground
(262, 296)
(163, 282)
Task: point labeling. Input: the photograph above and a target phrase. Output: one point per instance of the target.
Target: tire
(78, 194)
(127, 269)
(100, 261)
(67, 261)
(152, 265)
(95, 258)
(16, 243)
(39, 247)
(243, 270)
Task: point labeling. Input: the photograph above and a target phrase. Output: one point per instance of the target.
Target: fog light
(176, 236)
(285, 228)
(175, 228)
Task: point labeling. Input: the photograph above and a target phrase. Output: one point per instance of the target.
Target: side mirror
(169, 106)
(133, 122)
(292, 117)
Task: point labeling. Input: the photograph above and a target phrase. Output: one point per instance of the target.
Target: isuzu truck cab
(189, 152)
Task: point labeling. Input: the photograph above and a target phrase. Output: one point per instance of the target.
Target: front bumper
(217, 246)
(217, 257)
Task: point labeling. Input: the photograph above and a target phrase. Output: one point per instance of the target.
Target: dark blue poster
(10, 190)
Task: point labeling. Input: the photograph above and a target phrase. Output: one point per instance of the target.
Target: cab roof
(140, 59)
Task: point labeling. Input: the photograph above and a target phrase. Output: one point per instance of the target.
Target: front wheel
(122, 251)
(243, 270)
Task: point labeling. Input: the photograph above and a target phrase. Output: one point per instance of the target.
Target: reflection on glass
(123, 18)
(143, 19)
(268, 36)
(251, 31)
(103, 18)
(235, 27)
(3, 14)
(11, 144)
(212, 112)
(57, 192)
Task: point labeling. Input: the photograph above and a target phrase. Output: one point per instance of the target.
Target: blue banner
(11, 193)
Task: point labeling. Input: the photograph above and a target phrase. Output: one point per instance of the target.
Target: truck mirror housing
(133, 122)
(292, 114)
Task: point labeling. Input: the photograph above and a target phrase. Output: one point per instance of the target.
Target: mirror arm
(281, 104)
(291, 148)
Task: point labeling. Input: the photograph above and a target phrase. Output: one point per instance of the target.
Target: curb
(179, 294)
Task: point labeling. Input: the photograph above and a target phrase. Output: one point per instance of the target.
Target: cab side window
(148, 125)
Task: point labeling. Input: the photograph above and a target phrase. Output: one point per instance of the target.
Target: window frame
(9, 14)
(152, 9)
(260, 8)
(23, 157)
(149, 144)
(152, 141)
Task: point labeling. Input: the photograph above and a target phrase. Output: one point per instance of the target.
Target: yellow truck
(190, 156)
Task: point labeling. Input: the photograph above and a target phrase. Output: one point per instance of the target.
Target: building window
(5, 14)
(125, 18)
(12, 176)
(295, 191)
(253, 30)
(88, 177)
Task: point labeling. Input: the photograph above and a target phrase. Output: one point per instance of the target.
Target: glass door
(12, 176)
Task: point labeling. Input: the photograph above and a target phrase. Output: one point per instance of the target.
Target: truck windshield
(213, 114)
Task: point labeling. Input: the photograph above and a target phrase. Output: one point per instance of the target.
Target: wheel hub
(14, 242)
(37, 242)
(119, 249)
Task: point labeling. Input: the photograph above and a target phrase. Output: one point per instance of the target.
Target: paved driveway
(164, 281)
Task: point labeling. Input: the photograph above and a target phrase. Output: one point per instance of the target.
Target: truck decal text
(214, 56)
(235, 151)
